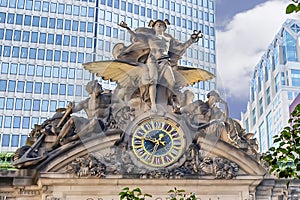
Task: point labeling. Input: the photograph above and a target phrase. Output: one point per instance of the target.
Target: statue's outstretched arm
(193, 39)
(124, 25)
(78, 107)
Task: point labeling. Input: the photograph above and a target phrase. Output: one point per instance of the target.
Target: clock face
(157, 142)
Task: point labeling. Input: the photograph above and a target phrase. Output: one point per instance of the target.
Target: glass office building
(43, 44)
(274, 86)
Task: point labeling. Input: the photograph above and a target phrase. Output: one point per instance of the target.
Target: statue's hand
(123, 24)
(196, 35)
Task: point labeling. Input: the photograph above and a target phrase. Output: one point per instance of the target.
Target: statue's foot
(153, 108)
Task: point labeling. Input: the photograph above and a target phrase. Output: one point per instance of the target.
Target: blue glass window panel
(53, 7)
(91, 12)
(1, 33)
(32, 53)
(29, 87)
(62, 89)
(101, 14)
(8, 34)
(143, 12)
(22, 69)
(37, 5)
(80, 57)
(86, 75)
(17, 122)
(34, 120)
(75, 26)
(129, 7)
(90, 27)
(25, 37)
(59, 24)
(10, 18)
(45, 105)
(27, 20)
(11, 86)
(79, 74)
(34, 37)
(52, 23)
(83, 11)
(7, 121)
(20, 86)
(41, 54)
(115, 33)
(66, 40)
(78, 90)
(1, 118)
(49, 55)
(149, 13)
(44, 22)
(58, 40)
(24, 52)
(5, 138)
(108, 31)
(19, 19)
(70, 90)
(73, 57)
(69, 9)
(2, 104)
(3, 3)
(123, 5)
(55, 72)
(88, 57)
(136, 9)
(116, 4)
(101, 29)
(184, 23)
(48, 70)
(0, 49)
(29, 4)
(64, 71)
(108, 16)
(7, 50)
(74, 41)
(61, 8)
(38, 88)
(19, 104)
(107, 46)
(13, 68)
(36, 105)
(103, 2)
(17, 35)
(61, 104)
(89, 43)
(46, 89)
(65, 56)
(36, 21)
(76, 10)
(82, 26)
(23, 140)
(57, 55)
(45, 7)
(53, 105)
(25, 122)
(4, 68)
(42, 38)
(9, 103)
(50, 39)
(67, 24)
(2, 17)
(15, 140)
(109, 3)
(54, 89)
(21, 4)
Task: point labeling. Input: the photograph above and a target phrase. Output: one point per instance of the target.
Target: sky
(245, 29)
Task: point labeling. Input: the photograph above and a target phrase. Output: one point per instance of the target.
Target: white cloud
(242, 42)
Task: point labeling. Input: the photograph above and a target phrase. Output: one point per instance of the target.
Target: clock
(157, 141)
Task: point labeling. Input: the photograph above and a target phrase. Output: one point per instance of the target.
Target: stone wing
(114, 70)
(185, 76)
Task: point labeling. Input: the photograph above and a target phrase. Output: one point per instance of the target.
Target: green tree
(293, 7)
(135, 194)
(283, 158)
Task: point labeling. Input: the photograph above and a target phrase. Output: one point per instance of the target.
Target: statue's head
(213, 96)
(159, 23)
(93, 86)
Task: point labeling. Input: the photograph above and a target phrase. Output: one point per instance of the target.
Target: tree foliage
(136, 194)
(293, 7)
(284, 157)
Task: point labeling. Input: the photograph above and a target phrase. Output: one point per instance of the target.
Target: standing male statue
(164, 53)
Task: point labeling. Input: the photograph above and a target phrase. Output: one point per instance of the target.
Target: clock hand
(155, 148)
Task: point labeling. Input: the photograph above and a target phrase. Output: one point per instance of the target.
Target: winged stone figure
(150, 64)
